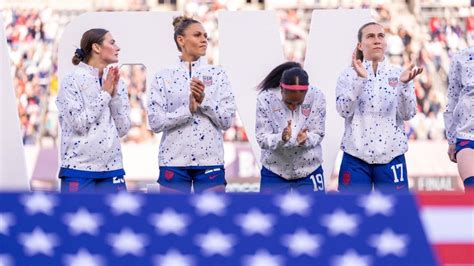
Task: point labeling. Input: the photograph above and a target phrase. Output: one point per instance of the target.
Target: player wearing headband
(289, 130)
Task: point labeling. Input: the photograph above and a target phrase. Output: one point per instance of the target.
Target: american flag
(449, 224)
(211, 229)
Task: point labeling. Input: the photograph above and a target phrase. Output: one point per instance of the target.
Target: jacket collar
(89, 69)
(195, 64)
(94, 72)
(368, 66)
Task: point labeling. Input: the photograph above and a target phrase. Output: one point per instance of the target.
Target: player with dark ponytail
(93, 113)
(289, 129)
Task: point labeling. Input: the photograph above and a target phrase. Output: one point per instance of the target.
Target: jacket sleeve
(220, 108)
(315, 123)
(159, 117)
(348, 89)
(266, 138)
(120, 109)
(406, 106)
(74, 111)
(454, 88)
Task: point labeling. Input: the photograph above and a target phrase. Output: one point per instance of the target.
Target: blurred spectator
(32, 65)
(134, 77)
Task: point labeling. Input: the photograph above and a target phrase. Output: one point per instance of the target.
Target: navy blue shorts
(273, 183)
(92, 185)
(358, 176)
(463, 144)
(183, 178)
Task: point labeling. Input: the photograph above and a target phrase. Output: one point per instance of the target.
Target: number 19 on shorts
(318, 182)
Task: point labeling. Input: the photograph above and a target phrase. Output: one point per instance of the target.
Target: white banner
(13, 174)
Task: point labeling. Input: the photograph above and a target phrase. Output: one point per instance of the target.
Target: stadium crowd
(425, 37)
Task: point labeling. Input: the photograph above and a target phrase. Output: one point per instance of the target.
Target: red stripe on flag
(455, 253)
(440, 199)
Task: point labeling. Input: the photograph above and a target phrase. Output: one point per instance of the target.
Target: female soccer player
(191, 103)
(375, 98)
(459, 116)
(93, 114)
(289, 130)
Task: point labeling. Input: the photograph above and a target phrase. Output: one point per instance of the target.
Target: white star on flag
(127, 242)
(125, 202)
(389, 243)
(351, 258)
(262, 258)
(302, 242)
(38, 242)
(255, 222)
(83, 222)
(376, 202)
(83, 258)
(6, 220)
(6, 260)
(39, 203)
(173, 258)
(294, 203)
(207, 203)
(215, 242)
(340, 222)
(170, 222)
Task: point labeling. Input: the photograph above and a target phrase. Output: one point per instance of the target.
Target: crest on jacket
(306, 109)
(207, 80)
(393, 82)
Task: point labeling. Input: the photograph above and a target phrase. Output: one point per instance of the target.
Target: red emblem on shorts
(464, 142)
(346, 178)
(169, 174)
(400, 187)
(212, 177)
(73, 186)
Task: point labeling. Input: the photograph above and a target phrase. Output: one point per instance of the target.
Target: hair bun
(178, 20)
(79, 53)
